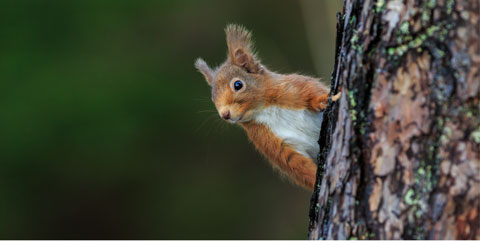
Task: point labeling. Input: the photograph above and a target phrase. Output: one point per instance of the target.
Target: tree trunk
(400, 151)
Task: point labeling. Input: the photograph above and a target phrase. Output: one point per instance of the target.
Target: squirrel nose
(226, 115)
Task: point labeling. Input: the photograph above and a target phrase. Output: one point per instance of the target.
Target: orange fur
(263, 88)
(300, 169)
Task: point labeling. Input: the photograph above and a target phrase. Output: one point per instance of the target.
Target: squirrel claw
(337, 96)
(320, 102)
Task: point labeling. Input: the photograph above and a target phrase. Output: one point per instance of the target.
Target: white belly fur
(298, 128)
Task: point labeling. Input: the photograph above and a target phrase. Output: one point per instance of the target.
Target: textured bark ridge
(400, 152)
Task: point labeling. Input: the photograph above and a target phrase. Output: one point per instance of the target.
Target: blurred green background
(108, 131)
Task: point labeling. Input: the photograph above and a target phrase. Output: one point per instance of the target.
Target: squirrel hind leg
(301, 169)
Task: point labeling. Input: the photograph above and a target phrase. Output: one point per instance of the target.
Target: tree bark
(400, 152)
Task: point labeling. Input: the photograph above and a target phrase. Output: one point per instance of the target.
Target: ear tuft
(203, 68)
(238, 37)
(240, 48)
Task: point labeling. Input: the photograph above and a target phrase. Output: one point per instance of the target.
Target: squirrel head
(238, 85)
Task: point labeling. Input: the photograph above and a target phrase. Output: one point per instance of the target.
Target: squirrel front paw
(320, 102)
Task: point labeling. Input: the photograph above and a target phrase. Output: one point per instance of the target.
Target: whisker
(222, 126)
(204, 122)
(203, 99)
(206, 111)
(214, 126)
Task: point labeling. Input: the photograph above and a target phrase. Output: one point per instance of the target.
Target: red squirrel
(281, 114)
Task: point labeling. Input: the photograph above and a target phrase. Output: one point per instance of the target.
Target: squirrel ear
(205, 70)
(240, 49)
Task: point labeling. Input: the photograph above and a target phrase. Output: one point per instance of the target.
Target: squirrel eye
(237, 85)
